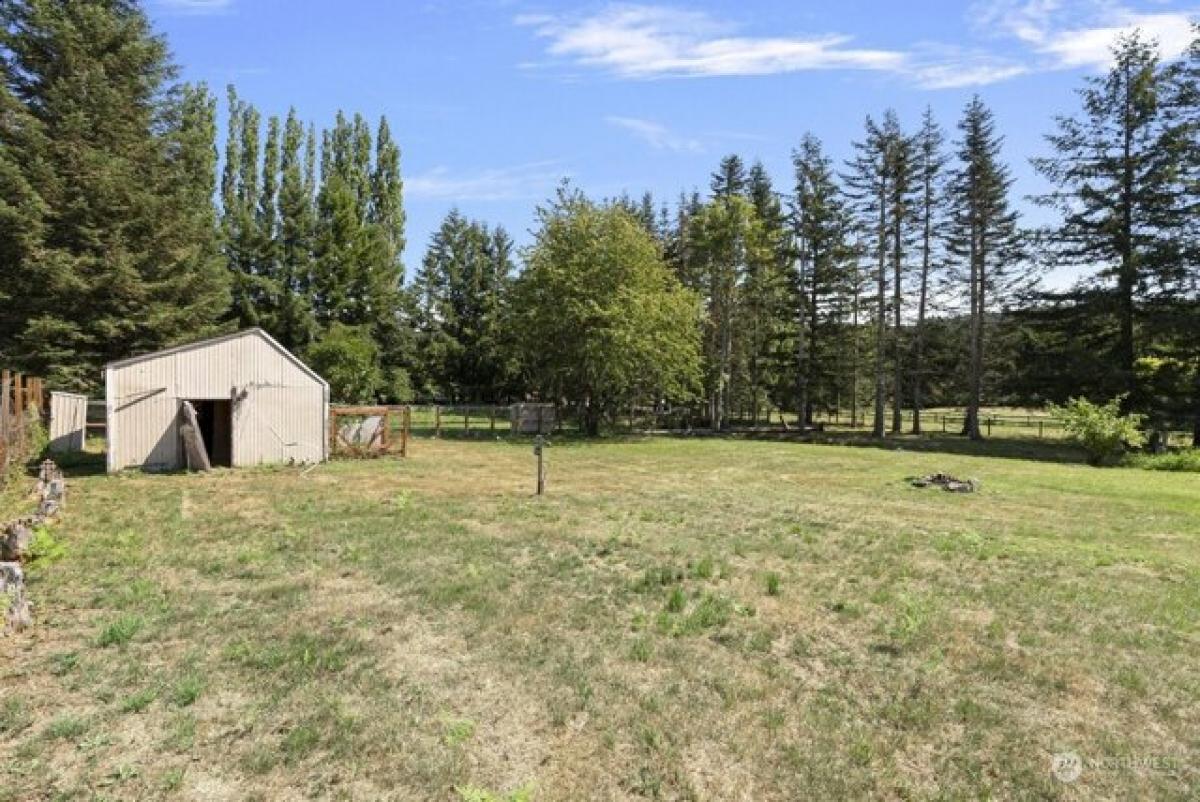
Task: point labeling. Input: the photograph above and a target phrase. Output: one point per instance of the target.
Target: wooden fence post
(437, 421)
(467, 419)
(405, 422)
(19, 418)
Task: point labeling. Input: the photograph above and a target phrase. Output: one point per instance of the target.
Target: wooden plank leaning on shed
(193, 442)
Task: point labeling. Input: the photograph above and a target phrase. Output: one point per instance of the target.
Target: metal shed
(255, 402)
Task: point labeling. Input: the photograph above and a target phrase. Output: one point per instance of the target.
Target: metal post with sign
(539, 445)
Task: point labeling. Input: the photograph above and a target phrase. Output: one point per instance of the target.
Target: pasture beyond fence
(435, 420)
(21, 406)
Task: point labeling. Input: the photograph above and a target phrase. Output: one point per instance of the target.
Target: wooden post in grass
(19, 409)
(5, 415)
(467, 419)
(437, 421)
(539, 444)
(1040, 429)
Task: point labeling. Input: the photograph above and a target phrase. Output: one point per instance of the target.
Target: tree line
(898, 279)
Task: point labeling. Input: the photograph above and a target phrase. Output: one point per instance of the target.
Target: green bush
(1101, 429)
(45, 548)
(1186, 461)
(348, 358)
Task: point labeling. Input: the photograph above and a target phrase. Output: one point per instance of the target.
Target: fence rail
(433, 420)
(22, 401)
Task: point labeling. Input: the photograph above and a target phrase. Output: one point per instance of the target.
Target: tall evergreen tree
(1184, 109)
(728, 237)
(869, 185)
(1114, 168)
(462, 284)
(125, 253)
(730, 177)
(929, 167)
(766, 317)
(899, 161)
(983, 234)
(823, 283)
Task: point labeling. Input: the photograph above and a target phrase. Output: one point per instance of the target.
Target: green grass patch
(677, 618)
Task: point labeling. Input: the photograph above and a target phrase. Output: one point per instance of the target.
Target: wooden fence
(22, 401)
(435, 420)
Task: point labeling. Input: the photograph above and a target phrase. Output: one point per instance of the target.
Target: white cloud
(196, 6)
(656, 135)
(518, 182)
(646, 42)
(637, 41)
(1080, 33)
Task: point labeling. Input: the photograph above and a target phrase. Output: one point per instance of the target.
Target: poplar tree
(982, 233)
(295, 326)
(240, 213)
(268, 271)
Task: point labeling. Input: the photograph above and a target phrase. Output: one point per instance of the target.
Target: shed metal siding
(279, 406)
(68, 421)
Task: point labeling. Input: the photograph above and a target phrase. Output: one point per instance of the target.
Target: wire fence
(472, 420)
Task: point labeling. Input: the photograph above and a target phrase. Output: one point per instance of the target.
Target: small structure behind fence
(532, 418)
(364, 431)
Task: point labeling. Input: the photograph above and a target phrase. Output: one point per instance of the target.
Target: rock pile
(16, 542)
(946, 482)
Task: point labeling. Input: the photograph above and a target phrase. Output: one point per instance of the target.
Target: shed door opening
(216, 429)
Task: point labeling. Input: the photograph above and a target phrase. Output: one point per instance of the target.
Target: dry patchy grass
(678, 619)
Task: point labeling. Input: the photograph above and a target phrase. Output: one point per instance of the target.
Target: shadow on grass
(73, 464)
(999, 447)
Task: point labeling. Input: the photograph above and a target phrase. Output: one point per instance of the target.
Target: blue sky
(493, 101)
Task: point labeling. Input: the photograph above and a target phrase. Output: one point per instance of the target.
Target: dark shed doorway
(215, 417)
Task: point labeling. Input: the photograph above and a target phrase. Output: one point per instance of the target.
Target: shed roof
(178, 349)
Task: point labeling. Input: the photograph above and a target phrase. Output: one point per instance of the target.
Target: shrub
(1101, 429)
(348, 358)
(1187, 461)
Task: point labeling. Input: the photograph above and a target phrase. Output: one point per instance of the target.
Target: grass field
(687, 619)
